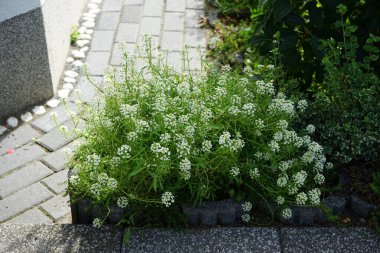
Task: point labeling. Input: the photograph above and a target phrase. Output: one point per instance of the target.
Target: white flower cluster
(246, 206)
(254, 173)
(93, 160)
(128, 111)
(167, 199)
(206, 146)
(235, 171)
(232, 144)
(161, 153)
(264, 88)
(282, 105)
(124, 151)
(185, 167)
(122, 202)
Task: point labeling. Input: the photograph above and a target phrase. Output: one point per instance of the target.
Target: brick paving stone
(127, 32)
(22, 178)
(32, 216)
(54, 139)
(175, 60)
(23, 200)
(153, 8)
(174, 21)
(195, 4)
(133, 2)
(67, 219)
(17, 138)
(117, 52)
(108, 21)
(196, 37)
(192, 18)
(112, 5)
(57, 160)
(172, 41)
(102, 41)
(176, 5)
(57, 207)
(154, 40)
(131, 14)
(194, 56)
(97, 62)
(150, 26)
(57, 182)
(20, 157)
(45, 123)
(88, 90)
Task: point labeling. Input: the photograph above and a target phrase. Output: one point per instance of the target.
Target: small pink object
(10, 151)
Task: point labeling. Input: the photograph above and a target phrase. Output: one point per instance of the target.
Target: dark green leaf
(281, 8)
(293, 19)
(316, 17)
(288, 40)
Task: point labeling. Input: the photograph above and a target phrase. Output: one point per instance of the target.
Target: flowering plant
(156, 137)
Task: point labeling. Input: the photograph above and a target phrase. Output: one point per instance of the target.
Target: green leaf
(294, 19)
(316, 17)
(288, 40)
(281, 8)
(373, 57)
(136, 171)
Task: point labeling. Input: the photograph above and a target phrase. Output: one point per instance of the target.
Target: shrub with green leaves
(156, 139)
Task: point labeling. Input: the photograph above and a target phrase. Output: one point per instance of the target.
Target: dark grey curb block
(85, 238)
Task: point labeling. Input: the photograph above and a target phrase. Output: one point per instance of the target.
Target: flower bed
(159, 139)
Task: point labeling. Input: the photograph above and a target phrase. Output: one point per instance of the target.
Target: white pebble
(95, 11)
(71, 73)
(39, 110)
(12, 122)
(90, 15)
(89, 24)
(69, 80)
(92, 6)
(69, 59)
(82, 43)
(26, 117)
(78, 54)
(3, 129)
(88, 19)
(64, 93)
(89, 31)
(84, 36)
(82, 29)
(96, 1)
(78, 63)
(68, 86)
(52, 103)
(84, 49)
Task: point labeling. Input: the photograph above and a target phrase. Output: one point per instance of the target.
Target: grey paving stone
(97, 63)
(88, 90)
(329, 240)
(150, 26)
(133, 2)
(32, 216)
(20, 157)
(175, 61)
(55, 139)
(57, 207)
(45, 123)
(205, 240)
(17, 138)
(192, 18)
(194, 55)
(127, 32)
(176, 5)
(67, 219)
(172, 41)
(23, 200)
(117, 52)
(59, 238)
(131, 14)
(108, 21)
(102, 41)
(112, 5)
(153, 8)
(195, 4)
(196, 37)
(174, 21)
(22, 178)
(57, 159)
(57, 182)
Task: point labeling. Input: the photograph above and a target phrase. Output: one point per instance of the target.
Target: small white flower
(132, 136)
(185, 167)
(115, 161)
(122, 202)
(254, 173)
(280, 200)
(299, 178)
(165, 138)
(206, 146)
(273, 145)
(246, 206)
(329, 165)
(167, 199)
(286, 213)
(319, 178)
(95, 189)
(97, 223)
(112, 183)
(102, 178)
(314, 196)
(93, 159)
(54, 116)
(301, 198)
(282, 181)
(246, 218)
(302, 105)
(74, 179)
(235, 171)
(310, 129)
(124, 151)
(64, 130)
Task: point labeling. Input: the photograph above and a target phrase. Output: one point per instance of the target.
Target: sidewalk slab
(58, 238)
(329, 240)
(236, 239)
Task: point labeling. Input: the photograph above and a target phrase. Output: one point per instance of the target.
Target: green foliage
(156, 139)
(234, 7)
(375, 187)
(74, 35)
(346, 108)
(229, 45)
(302, 25)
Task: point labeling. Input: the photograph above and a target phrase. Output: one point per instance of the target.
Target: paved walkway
(33, 178)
